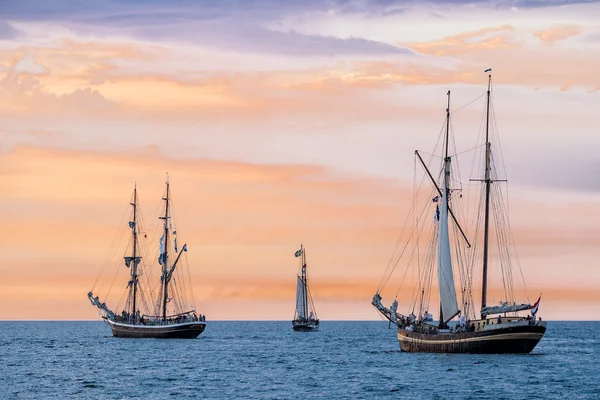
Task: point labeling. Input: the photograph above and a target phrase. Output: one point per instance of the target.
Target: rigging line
(386, 276)
(498, 232)
(391, 265)
(415, 222)
(429, 154)
(454, 147)
(431, 267)
(504, 246)
(190, 280)
(510, 240)
(115, 241)
(410, 261)
(497, 135)
(387, 271)
(415, 229)
(422, 268)
(469, 103)
(395, 264)
(471, 149)
(111, 265)
(428, 267)
(116, 266)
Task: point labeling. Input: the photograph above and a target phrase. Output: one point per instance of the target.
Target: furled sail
(505, 308)
(445, 276)
(301, 305)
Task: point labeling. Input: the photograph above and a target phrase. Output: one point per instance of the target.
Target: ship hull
(187, 330)
(305, 326)
(510, 340)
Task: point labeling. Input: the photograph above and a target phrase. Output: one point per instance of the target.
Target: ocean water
(267, 360)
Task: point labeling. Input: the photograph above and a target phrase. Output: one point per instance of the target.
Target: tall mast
(304, 289)
(488, 182)
(447, 127)
(166, 255)
(446, 180)
(134, 276)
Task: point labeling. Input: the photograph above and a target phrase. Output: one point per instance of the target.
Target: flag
(184, 248)
(488, 70)
(536, 306)
(161, 257)
(298, 253)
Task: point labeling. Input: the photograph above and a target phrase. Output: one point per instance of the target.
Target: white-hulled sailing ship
(305, 317)
(496, 328)
(168, 314)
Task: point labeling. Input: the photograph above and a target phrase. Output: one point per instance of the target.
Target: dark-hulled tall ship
(168, 315)
(305, 316)
(443, 246)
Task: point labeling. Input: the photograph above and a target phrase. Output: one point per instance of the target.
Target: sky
(281, 122)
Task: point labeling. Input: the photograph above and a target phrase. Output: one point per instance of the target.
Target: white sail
(301, 305)
(445, 276)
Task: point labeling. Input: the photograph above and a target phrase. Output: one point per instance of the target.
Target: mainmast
(445, 186)
(134, 277)
(304, 286)
(133, 261)
(488, 182)
(165, 255)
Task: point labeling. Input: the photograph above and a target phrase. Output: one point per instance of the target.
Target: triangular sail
(445, 276)
(301, 303)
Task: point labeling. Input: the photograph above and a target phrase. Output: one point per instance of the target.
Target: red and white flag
(536, 305)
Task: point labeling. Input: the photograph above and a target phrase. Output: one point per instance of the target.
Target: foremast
(448, 303)
(133, 261)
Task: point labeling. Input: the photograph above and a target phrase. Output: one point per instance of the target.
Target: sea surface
(267, 360)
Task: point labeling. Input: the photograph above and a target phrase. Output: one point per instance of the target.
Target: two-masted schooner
(305, 316)
(443, 245)
(169, 315)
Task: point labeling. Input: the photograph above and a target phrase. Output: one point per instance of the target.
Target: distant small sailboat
(184, 323)
(305, 317)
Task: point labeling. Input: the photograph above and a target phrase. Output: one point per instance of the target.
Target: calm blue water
(267, 360)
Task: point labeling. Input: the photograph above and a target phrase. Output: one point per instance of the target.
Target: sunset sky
(287, 122)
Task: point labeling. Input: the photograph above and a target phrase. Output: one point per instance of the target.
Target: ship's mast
(304, 289)
(134, 276)
(488, 182)
(166, 256)
(446, 181)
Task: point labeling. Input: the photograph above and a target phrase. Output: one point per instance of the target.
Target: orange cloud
(468, 42)
(553, 35)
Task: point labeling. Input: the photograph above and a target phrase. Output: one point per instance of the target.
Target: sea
(267, 360)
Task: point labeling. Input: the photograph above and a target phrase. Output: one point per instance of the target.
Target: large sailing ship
(168, 314)
(305, 316)
(496, 328)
